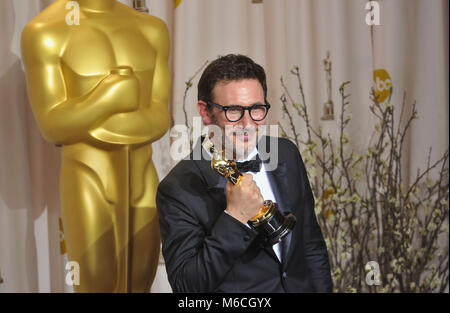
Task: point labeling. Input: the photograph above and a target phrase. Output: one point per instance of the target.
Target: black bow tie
(250, 166)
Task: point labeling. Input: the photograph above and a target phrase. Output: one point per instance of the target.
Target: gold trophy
(270, 221)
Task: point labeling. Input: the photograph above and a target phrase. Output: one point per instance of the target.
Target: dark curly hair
(229, 68)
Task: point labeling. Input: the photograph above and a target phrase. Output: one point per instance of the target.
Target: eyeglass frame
(244, 108)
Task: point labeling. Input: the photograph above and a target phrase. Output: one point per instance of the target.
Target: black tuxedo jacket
(207, 250)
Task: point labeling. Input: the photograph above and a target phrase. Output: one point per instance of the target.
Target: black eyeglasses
(234, 113)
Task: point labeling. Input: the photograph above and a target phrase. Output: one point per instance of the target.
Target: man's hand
(244, 200)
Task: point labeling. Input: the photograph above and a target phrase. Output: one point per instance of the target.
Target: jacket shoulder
(284, 146)
(287, 144)
(183, 175)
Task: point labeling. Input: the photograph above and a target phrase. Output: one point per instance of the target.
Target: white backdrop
(411, 44)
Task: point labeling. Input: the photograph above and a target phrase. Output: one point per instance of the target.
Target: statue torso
(101, 42)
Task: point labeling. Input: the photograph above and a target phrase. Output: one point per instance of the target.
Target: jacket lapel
(279, 182)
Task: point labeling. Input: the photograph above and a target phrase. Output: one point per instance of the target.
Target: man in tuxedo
(206, 241)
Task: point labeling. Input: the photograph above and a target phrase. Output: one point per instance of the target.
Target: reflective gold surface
(265, 212)
(100, 89)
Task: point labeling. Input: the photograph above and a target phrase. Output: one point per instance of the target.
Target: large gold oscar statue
(100, 89)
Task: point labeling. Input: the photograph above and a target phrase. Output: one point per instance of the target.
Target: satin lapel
(215, 183)
(279, 184)
(217, 191)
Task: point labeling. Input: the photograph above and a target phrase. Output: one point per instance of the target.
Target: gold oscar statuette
(270, 221)
(98, 83)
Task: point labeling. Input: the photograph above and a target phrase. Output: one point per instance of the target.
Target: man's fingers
(247, 178)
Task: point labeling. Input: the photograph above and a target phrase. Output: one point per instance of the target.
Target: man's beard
(236, 141)
(239, 141)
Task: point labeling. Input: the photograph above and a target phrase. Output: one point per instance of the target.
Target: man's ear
(203, 110)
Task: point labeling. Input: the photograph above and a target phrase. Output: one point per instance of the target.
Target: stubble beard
(236, 142)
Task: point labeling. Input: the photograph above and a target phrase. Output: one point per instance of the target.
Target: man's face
(241, 135)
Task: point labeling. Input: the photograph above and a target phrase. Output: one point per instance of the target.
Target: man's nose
(246, 120)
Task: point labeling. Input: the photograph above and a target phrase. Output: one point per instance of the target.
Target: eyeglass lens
(257, 113)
